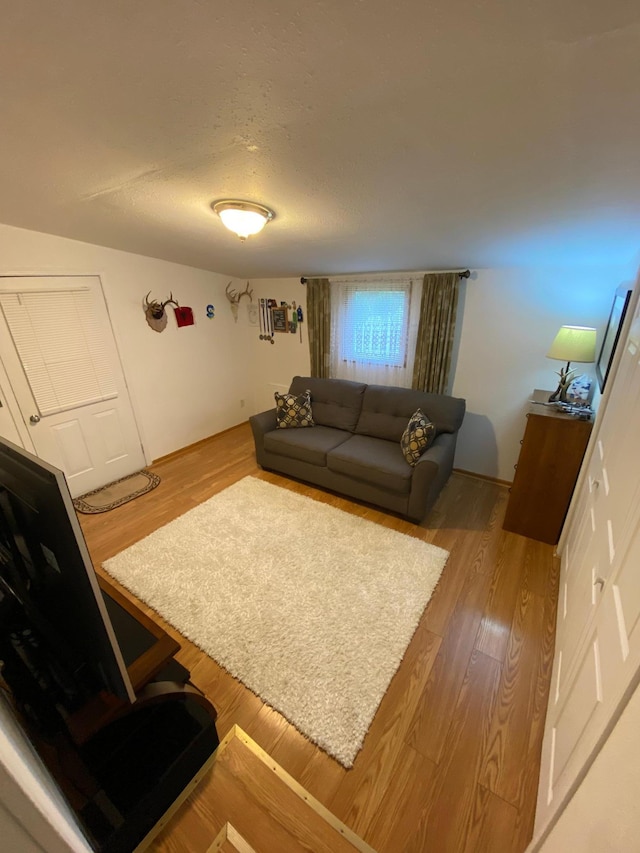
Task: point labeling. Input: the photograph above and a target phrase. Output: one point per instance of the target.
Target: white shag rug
(310, 607)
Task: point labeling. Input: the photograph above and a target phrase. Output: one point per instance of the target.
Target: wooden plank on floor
(322, 776)
(495, 628)
(442, 826)
(267, 727)
(505, 763)
(358, 799)
(529, 788)
(492, 825)
(410, 787)
(432, 719)
(293, 751)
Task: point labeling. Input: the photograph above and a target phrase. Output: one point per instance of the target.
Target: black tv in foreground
(63, 637)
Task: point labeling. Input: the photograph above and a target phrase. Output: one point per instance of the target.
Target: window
(374, 325)
(371, 331)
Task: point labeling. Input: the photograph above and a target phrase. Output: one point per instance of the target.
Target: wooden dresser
(546, 472)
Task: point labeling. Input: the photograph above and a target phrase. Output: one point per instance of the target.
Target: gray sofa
(354, 449)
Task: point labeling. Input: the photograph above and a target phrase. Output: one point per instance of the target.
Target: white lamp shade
(242, 217)
(574, 343)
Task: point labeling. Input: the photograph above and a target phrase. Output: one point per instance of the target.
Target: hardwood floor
(452, 757)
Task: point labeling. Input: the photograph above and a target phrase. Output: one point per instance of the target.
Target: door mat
(117, 493)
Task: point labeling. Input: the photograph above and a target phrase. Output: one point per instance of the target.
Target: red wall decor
(184, 316)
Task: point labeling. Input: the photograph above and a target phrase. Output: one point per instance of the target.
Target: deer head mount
(155, 313)
(234, 298)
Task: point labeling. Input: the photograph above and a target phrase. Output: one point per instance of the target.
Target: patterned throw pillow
(292, 411)
(417, 436)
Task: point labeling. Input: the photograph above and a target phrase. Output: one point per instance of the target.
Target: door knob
(599, 582)
(35, 419)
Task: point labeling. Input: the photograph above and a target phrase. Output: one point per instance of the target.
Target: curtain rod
(463, 274)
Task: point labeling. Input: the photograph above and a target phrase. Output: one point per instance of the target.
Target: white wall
(509, 318)
(186, 384)
(507, 321)
(274, 365)
(603, 814)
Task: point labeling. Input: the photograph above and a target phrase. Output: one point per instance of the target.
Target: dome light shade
(244, 218)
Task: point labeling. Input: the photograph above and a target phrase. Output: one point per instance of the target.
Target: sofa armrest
(439, 452)
(431, 472)
(261, 424)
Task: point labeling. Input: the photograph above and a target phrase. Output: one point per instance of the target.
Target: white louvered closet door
(597, 659)
(58, 350)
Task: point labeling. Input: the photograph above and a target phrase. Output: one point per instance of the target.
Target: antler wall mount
(234, 298)
(154, 312)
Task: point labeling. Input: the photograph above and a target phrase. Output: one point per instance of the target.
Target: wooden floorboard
(410, 788)
(433, 718)
(505, 757)
(447, 817)
(360, 796)
(451, 760)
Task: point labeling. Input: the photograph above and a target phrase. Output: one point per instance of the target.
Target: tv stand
(121, 766)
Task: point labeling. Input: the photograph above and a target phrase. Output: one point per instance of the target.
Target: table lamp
(572, 343)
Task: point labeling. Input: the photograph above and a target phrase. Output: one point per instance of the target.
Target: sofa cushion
(292, 411)
(336, 402)
(372, 460)
(307, 445)
(386, 411)
(417, 437)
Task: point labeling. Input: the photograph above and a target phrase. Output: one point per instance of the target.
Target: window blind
(374, 323)
(62, 346)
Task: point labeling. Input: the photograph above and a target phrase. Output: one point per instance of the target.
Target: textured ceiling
(412, 135)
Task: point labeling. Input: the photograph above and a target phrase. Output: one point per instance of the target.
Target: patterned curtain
(435, 332)
(319, 326)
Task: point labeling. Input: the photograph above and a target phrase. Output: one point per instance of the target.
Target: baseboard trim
(483, 477)
(187, 448)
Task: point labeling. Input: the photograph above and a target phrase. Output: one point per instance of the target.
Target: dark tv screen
(46, 573)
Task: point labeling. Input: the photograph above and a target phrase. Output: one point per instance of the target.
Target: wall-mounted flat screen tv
(612, 334)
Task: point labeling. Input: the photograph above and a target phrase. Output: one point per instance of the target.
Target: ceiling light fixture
(244, 218)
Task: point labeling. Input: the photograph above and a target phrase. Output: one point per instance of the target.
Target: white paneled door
(59, 354)
(597, 657)
(8, 427)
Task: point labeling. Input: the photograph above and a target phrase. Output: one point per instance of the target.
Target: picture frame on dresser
(612, 333)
